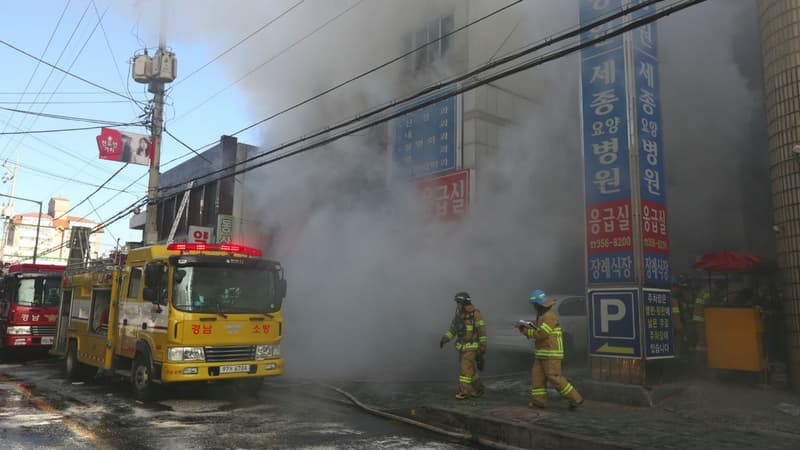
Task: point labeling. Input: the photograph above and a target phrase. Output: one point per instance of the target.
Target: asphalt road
(40, 409)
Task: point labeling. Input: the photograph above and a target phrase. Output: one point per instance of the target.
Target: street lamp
(38, 221)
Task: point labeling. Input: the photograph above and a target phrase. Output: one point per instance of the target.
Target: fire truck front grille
(46, 330)
(232, 353)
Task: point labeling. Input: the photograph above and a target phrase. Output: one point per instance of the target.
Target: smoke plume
(370, 282)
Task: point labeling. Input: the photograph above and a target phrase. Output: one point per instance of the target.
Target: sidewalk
(702, 415)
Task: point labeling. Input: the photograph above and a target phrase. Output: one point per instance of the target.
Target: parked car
(571, 310)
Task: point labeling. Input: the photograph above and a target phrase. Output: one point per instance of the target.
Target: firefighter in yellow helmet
(546, 331)
(470, 332)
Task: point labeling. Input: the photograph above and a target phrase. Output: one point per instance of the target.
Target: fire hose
(456, 435)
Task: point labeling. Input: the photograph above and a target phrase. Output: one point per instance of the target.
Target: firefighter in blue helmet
(546, 331)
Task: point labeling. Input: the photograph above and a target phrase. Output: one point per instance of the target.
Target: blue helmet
(538, 297)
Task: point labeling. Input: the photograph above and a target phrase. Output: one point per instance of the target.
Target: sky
(66, 164)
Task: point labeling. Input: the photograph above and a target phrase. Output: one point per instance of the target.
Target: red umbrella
(728, 262)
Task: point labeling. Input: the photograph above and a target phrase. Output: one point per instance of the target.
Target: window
(573, 306)
(39, 291)
(134, 286)
(99, 319)
(66, 303)
(428, 33)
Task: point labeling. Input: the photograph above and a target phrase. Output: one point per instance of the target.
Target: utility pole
(8, 210)
(155, 71)
(38, 221)
(151, 225)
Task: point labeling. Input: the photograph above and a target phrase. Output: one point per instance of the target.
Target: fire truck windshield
(39, 291)
(225, 290)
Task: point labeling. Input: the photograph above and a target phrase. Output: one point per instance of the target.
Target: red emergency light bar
(200, 247)
(19, 268)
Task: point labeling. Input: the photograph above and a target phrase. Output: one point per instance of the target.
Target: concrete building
(213, 207)
(54, 232)
(780, 40)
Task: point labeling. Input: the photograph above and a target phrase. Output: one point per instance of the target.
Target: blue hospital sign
(606, 152)
(652, 183)
(614, 323)
(425, 140)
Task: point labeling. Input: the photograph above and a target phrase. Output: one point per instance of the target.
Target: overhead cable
(455, 89)
(241, 41)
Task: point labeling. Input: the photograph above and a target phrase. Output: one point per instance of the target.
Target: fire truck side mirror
(281, 288)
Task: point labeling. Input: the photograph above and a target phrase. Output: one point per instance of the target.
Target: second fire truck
(29, 295)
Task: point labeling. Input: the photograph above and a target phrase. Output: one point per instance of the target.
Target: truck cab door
(62, 325)
(97, 345)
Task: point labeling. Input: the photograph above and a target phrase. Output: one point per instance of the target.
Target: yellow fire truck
(174, 313)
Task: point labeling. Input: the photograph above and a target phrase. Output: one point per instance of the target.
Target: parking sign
(614, 323)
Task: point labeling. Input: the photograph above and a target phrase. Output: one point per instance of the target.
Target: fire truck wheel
(142, 377)
(75, 369)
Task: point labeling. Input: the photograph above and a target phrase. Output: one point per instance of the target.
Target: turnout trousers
(549, 371)
(469, 376)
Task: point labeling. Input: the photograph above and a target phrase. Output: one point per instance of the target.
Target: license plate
(47, 340)
(235, 369)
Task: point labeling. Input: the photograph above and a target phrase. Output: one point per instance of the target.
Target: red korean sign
(609, 227)
(654, 227)
(115, 145)
(446, 197)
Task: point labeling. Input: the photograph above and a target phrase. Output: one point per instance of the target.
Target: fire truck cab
(175, 313)
(29, 295)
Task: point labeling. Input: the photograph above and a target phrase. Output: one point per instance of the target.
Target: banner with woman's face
(115, 145)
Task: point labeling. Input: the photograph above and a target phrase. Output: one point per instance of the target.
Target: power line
(100, 226)
(36, 68)
(377, 68)
(186, 145)
(61, 177)
(243, 40)
(93, 192)
(64, 130)
(111, 52)
(57, 93)
(69, 153)
(50, 74)
(474, 83)
(73, 102)
(272, 58)
(77, 77)
(362, 75)
(61, 117)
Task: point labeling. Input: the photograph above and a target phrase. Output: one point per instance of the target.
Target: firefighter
(546, 331)
(699, 325)
(679, 293)
(470, 332)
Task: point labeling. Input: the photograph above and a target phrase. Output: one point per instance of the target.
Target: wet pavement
(707, 414)
(27, 423)
(42, 410)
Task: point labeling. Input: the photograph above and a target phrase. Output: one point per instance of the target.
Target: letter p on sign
(606, 314)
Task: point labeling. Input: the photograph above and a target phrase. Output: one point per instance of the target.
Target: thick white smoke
(370, 283)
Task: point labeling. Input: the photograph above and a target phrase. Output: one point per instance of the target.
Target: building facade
(214, 209)
(53, 235)
(780, 40)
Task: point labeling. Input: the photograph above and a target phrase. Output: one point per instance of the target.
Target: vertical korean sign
(658, 334)
(651, 157)
(426, 140)
(609, 227)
